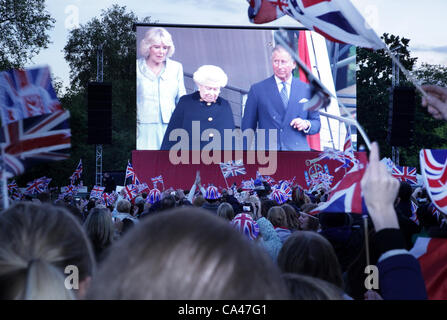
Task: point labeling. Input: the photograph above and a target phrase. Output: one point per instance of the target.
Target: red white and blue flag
(414, 216)
(131, 191)
(432, 257)
(35, 140)
(405, 174)
(97, 192)
(156, 180)
(433, 166)
(26, 93)
(248, 185)
(336, 20)
(232, 168)
(37, 186)
(143, 187)
(130, 173)
(12, 186)
(346, 196)
(109, 198)
(77, 173)
(70, 190)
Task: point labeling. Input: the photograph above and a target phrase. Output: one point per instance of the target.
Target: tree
(23, 28)
(374, 82)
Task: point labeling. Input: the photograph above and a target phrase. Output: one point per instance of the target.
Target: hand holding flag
(380, 191)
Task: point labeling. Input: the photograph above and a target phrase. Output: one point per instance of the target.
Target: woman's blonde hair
(37, 244)
(151, 36)
(226, 211)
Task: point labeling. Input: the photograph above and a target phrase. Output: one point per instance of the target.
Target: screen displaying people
(260, 101)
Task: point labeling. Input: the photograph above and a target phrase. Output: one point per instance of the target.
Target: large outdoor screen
(168, 97)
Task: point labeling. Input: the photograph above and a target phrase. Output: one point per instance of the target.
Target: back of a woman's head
(37, 243)
(226, 211)
(99, 227)
(277, 217)
(186, 253)
(308, 253)
(291, 216)
(303, 287)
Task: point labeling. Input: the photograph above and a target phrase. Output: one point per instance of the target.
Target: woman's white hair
(154, 35)
(209, 75)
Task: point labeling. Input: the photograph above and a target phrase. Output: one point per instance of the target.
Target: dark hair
(303, 287)
(100, 230)
(187, 253)
(266, 205)
(308, 253)
(291, 217)
(277, 216)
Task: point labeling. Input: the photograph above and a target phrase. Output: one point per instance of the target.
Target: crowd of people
(205, 244)
(234, 245)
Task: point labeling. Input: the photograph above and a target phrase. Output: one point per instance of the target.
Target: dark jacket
(217, 116)
(264, 109)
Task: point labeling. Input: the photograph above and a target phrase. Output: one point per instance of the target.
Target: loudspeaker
(401, 116)
(99, 103)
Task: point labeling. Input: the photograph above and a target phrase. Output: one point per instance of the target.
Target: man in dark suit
(276, 105)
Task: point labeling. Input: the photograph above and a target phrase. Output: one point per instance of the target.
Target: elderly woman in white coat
(160, 85)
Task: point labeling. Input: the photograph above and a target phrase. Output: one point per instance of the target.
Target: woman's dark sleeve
(400, 275)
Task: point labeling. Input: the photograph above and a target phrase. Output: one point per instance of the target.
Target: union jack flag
(156, 180)
(12, 186)
(37, 186)
(97, 192)
(130, 173)
(348, 148)
(336, 20)
(26, 93)
(248, 185)
(433, 166)
(405, 174)
(109, 198)
(131, 191)
(77, 174)
(37, 139)
(319, 98)
(232, 168)
(70, 190)
(143, 187)
(414, 216)
(346, 196)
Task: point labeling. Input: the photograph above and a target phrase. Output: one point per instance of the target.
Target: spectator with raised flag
(400, 275)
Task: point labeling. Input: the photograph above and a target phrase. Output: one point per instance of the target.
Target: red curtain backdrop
(149, 164)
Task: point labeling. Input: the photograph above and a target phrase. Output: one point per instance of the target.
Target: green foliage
(374, 81)
(114, 30)
(23, 28)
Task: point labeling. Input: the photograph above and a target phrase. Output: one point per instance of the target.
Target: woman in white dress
(160, 85)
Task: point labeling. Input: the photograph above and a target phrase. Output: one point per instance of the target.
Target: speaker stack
(401, 116)
(99, 103)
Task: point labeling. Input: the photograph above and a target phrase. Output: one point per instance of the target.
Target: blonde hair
(151, 36)
(123, 206)
(226, 211)
(37, 243)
